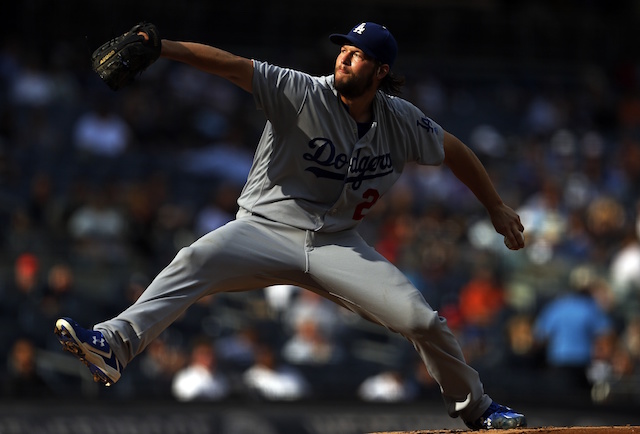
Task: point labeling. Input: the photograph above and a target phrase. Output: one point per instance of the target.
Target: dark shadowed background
(99, 190)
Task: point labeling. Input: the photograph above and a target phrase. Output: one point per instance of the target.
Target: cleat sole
(69, 345)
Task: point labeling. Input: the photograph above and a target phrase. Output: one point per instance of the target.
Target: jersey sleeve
(430, 137)
(423, 137)
(279, 92)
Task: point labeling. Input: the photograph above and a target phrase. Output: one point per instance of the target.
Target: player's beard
(352, 86)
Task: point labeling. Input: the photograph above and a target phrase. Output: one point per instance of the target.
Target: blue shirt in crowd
(569, 326)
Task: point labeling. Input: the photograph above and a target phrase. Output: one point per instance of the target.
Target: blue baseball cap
(373, 39)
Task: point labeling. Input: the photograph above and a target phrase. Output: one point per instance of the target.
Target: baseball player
(331, 147)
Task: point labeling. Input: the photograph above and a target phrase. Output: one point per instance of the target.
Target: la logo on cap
(359, 29)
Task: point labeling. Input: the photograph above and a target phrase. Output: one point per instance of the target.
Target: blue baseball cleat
(498, 417)
(91, 348)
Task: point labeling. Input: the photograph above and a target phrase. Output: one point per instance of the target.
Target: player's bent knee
(419, 321)
(213, 257)
(192, 258)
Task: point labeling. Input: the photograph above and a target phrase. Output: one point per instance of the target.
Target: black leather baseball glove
(121, 59)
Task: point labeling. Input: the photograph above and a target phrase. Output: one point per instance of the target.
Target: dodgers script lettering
(360, 167)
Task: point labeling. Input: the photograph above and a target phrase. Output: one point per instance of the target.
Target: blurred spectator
(545, 217)
(481, 305)
(522, 351)
(426, 386)
(623, 365)
(308, 305)
(630, 338)
(61, 298)
(101, 139)
(616, 374)
(570, 327)
(238, 350)
(606, 222)
(396, 234)
(171, 230)
(270, 379)
(158, 366)
(482, 298)
(43, 207)
(33, 86)
(629, 163)
(200, 379)
(23, 235)
(141, 201)
(98, 229)
(22, 379)
(279, 298)
(200, 318)
(227, 160)
(133, 286)
(21, 298)
(576, 244)
(600, 369)
(101, 132)
(624, 272)
(543, 114)
(487, 140)
(387, 386)
(309, 346)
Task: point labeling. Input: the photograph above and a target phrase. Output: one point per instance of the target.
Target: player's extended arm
(466, 166)
(236, 69)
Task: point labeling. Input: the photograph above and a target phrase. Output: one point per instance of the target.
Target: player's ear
(382, 71)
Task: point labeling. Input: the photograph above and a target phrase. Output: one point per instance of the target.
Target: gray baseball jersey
(313, 180)
(311, 170)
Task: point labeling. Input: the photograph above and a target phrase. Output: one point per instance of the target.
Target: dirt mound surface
(542, 430)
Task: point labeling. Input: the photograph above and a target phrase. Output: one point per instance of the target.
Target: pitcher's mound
(543, 430)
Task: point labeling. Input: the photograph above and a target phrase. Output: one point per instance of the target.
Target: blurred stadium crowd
(99, 190)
